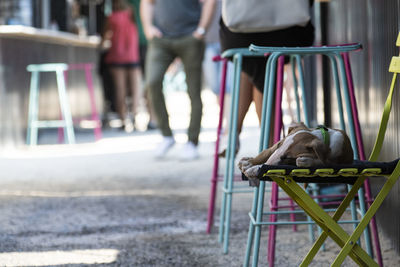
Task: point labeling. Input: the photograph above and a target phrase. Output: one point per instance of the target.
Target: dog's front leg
(265, 154)
(244, 163)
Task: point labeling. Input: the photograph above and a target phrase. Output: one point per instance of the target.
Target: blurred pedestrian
(151, 125)
(252, 22)
(176, 28)
(123, 59)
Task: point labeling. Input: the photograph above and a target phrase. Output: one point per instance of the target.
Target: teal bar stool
(33, 121)
(228, 186)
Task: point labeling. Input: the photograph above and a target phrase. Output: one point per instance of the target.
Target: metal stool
(33, 121)
(87, 68)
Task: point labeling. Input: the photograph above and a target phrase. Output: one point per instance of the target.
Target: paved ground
(109, 203)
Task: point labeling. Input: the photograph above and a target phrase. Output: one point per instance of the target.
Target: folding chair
(287, 178)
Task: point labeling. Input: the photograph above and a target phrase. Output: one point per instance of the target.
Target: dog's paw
(252, 172)
(244, 164)
(305, 162)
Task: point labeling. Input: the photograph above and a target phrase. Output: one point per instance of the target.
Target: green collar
(325, 134)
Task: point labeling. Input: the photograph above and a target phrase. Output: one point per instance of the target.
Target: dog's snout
(286, 160)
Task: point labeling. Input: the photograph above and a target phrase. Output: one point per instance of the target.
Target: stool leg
(361, 153)
(295, 87)
(265, 140)
(265, 131)
(299, 63)
(214, 178)
(361, 194)
(95, 116)
(32, 131)
(275, 189)
(231, 150)
(303, 86)
(279, 119)
(64, 103)
(257, 237)
(60, 130)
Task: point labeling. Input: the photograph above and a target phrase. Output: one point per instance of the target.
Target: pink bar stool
(87, 68)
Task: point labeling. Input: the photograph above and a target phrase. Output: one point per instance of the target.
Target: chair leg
(327, 223)
(368, 215)
(337, 215)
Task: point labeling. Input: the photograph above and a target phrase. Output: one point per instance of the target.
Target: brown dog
(303, 147)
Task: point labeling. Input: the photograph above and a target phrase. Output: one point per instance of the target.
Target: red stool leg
(277, 131)
(214, 178)
(361, 151)
(95, 116)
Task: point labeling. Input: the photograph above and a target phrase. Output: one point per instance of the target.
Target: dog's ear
(296, 125)
(320, 149)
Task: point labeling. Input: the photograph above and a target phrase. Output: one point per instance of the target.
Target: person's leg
(258, 100)
(135, 86)
(158, 58)
(119, 78)
(191, 52)
(245, 99)
(152, 120)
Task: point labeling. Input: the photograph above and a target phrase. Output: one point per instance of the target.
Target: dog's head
(297, 126)
(306, 150)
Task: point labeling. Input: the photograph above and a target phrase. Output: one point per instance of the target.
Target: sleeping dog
(303, 147)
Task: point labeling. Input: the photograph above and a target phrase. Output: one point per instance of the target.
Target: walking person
(176, 28)
(123, 59)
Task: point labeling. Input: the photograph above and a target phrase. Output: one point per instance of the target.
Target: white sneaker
(164, 146)
(189, 152)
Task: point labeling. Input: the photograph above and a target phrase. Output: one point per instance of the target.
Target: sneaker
(164, 146)
(151, 126)
(189, 152)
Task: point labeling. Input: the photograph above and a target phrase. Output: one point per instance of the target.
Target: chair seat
(343, 173)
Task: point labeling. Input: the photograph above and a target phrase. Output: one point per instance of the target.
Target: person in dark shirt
(176, 28)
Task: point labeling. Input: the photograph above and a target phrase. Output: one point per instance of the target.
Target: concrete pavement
(110, 203)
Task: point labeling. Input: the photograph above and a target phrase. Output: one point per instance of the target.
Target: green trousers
(160, 54)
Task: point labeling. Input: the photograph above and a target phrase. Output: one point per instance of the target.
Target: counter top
(48, 36)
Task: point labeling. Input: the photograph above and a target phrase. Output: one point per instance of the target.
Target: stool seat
(48, 67)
